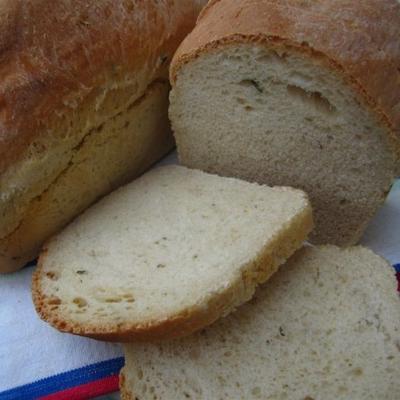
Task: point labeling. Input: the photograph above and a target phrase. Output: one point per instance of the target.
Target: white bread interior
(326, 326)
(277, 116)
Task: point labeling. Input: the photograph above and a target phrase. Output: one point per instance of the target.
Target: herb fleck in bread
(326, 326)
(295, 93)
(167, 254)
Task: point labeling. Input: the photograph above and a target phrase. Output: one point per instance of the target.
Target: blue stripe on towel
(65, 380)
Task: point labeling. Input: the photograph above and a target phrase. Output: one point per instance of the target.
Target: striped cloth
(79, 384)
(37, 362)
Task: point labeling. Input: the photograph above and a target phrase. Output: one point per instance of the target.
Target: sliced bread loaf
(326, 326)
(295, 93)
(167, 254)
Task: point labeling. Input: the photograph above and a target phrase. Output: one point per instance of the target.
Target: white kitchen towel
(30, 350)
(36, 361)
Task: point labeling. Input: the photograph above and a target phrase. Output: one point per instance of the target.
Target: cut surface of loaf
(167, 254)
(326, 326)
(292, 93)
(76, 77)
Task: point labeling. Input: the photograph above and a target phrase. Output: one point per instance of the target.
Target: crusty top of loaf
(54, 53)
(358, 38)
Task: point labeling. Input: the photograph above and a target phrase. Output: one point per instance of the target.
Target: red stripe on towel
(87, 390)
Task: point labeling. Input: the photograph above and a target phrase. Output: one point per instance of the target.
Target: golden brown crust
(54, 54)
(359, 39)
(69, 67)
(191, 319)
(126, 394)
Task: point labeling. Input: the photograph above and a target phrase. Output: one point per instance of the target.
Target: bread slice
(292, 93)
(326, 326)
(167, 254)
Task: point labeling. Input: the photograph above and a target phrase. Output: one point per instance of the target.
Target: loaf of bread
(325, 327)
(167, 255)
(84, 100)
(296, 93)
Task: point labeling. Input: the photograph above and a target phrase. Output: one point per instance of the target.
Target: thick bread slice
(167, 254)
(325, 327)
(71, 72)
(293, 93)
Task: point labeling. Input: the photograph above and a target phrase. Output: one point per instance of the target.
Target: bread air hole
(129, 298)
(273, 57)
(54, 300)
(251, 83)
(53, 275)
(312, 99)
(80, 302)
(113, 299)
